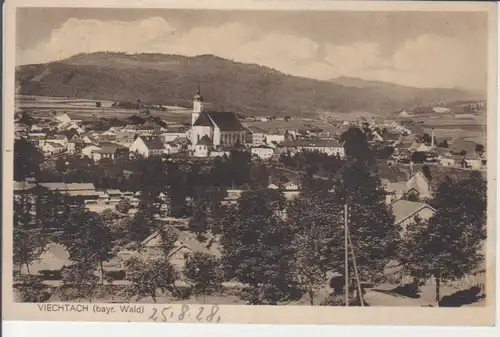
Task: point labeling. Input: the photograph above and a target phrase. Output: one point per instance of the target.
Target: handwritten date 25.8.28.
(203, 314)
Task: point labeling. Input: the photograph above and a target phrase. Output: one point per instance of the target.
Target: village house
(395, 190)
(232, 196)
(291, 191)
(277, 137)
(51, 149)
(148, 146)
(419, 186)
(262, 152)
(405, 212)
(184, 248)
(71, 134)
(21, 129)
(73, 192)
(87, 150)
(172, 135)
(62, 117)
(36, 128)
(58, 139)
(75, 146)
(124, 137)
(329, 147)
(452, 161)
(255, 135)
(107, 136)
(151, 127)
(36, 138)
(115, 196)
(109, 151)
(172, 147)
(474, 162)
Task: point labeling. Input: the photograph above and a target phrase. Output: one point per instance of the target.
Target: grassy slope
(247, 88)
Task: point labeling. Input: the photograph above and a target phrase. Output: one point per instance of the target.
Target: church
(214, 127)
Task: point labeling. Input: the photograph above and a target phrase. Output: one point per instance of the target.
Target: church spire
(198, 96)
(197, 104)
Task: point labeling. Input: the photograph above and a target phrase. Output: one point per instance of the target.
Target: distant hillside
(247, 88)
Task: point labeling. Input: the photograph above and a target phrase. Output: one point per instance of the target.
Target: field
(86, 109)
(444, 125)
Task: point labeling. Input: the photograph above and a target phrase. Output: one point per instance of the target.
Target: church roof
(203, 120)
(205, 140)
(226, 121)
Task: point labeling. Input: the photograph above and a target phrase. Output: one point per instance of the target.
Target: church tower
(197, 105)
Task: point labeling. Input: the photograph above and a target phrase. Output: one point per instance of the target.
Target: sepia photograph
(250, 158)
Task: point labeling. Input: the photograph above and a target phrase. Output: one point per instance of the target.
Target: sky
(420, 49)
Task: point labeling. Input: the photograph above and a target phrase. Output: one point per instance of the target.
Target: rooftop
(154, 143)
(403, 209)
(311, 143)
(205, 140)
(226, 121)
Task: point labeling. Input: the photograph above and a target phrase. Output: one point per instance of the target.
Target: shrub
(182, 293)
(32, 290)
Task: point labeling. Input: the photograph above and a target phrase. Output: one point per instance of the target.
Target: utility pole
(358, 283)
(346, 256)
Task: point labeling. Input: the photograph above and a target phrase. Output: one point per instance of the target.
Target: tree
(28, 239)
(418, 157)
(259, 176)
(310, 269)
(168, 238)
(140, 226)
(146, 276)
(443, 144)
(450, 244)
(371, 222)
(27, 160)
(356, 145)
(199, 223)
(427, 138)
(426, 170)
(204, 273)
(60, 165)
(26, 119)
(32, 290)
(256, 247)
(479, 149)
(36, 214)
(80, 276)
(88, 239)
(316, 218)
(124, 206)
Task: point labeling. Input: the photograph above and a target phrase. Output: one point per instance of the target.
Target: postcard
(277, 162)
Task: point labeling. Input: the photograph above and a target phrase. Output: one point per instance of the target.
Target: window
(185, 256)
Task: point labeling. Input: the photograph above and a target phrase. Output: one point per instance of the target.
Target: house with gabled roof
(62, 117)
(419, 185)
(185, 246)
(405, 212)
(255, 135)
(148, 146)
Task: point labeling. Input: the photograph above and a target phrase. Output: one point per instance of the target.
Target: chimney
(432, 138)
